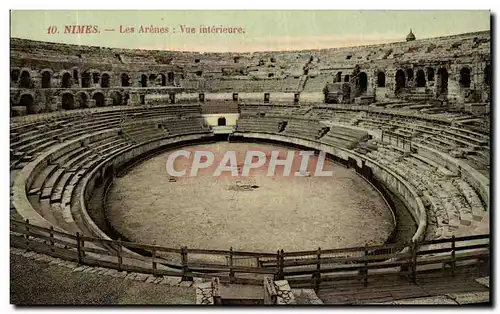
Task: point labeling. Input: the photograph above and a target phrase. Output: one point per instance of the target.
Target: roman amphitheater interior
(405, 127)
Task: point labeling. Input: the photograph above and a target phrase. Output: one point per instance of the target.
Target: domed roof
(410, 36)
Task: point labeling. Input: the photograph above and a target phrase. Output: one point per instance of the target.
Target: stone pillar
(58, 104)
(91, 103)
(108, 101)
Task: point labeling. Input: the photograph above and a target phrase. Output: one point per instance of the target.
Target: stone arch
(487, 75)
(409, 74)
(442, 74)
(28, 101)
(163, 79)
(46, 79)
(363, 82)
(430, 74)
(152, 79)
(99, 99)
(400, 79)
(68, 101)
(380, 79)
(86, 79)
(116, 97)
(347, 78)
(465, 77)
(221, 121)
(25, 79)
(105, 80)
(82, 99)
(420, 78)
(125, 78)
(14, 74)
(144, 80)
(66, 80)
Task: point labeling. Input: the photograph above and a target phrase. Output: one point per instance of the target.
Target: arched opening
(68, 101)
(82, 100)
(347, 78)
(464, 77)
(430, 74)
(487, 75)
(117, 98)
(163, 80)
(409, 74)
(105, 80)
(170, 76)
(144, 80)
(442, 81)
(75, 75)
(152, 79)
(400, 80)
(363, 82)
(46, 79)
(221, 121)
(14, 75)
(381, 79)
(199, 73)
(66, 80)
(338, 77)
(85, 79)
(99, 99)
(27, 101)
(125, 80)
(25, 80)
(420, 78)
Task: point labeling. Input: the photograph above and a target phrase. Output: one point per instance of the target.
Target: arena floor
(256, 213)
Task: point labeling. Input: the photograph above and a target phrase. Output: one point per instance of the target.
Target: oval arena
(407, 142)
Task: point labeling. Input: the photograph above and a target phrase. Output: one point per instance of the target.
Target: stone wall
(455, 69)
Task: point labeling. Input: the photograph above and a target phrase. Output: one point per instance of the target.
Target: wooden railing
(305, 268)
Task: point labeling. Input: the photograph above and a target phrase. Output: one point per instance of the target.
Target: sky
(258, 30)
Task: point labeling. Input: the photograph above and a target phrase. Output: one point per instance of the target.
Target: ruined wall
(49, 76)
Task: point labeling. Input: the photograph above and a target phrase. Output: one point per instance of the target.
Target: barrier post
(185, 269)
(453, 260)
(51, 234)
(78, 248)
(119, 256)
(277, 274)
(153, 260)
(414, 248)
(365, 269)
(318, 271)
(27, 223)
(282, 262)
(231, 272)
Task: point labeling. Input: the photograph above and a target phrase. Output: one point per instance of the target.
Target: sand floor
(290, 213)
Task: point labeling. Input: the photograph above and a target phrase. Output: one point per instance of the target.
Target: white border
(185, 4)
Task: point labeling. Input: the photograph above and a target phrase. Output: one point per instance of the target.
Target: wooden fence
(305, 268)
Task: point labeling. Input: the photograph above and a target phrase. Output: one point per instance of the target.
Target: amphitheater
(405, 128)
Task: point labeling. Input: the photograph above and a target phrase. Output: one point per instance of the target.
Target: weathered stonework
(452, 70)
